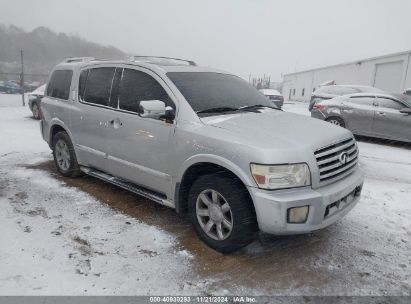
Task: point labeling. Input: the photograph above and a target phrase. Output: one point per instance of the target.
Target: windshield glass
(208, 90)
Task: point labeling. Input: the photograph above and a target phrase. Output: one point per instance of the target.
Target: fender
(334, 110)
(57, 122)
(217, 160)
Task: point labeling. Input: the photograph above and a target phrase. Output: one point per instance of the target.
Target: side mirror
(152, 109)
(169, 115)
(406, 111)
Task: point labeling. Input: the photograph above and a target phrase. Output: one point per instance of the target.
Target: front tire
(222, 212)
(336, 121)
(64, 155)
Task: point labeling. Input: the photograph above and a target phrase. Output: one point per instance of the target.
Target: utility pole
(22, 78)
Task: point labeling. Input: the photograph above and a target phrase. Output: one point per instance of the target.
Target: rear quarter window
(59, 84)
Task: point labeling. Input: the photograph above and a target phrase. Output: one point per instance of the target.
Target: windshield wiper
(217, 110)
(257, 106)
(251, 108)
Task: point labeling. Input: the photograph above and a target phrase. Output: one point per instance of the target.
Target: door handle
(381, 113)
(116, 123)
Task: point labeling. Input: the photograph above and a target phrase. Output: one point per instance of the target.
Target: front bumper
(271, 206)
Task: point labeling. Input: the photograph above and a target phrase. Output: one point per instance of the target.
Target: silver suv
(200, 141)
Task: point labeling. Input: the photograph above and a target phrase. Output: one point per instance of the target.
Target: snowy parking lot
(84, 237)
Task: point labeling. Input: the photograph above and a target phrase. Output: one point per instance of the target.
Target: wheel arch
(58, 126)
(201, 165)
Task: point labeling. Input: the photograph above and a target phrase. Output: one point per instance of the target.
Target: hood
(273, 129)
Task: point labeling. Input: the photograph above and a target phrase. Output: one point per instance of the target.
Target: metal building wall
(391, 73)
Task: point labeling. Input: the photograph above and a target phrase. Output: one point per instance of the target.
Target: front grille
(337, 159)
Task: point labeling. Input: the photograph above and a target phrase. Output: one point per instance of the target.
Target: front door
(389, 122)
(139, 148)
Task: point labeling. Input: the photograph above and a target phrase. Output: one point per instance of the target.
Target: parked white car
(35, 99)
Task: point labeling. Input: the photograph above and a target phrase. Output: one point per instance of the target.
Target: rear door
(389, 122)
(358, 113)
(139, 147)
(90, 121)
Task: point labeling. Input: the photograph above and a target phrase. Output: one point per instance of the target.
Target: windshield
(209, 90)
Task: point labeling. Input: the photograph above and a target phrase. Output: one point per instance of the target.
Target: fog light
(297, 215)
(357, 191)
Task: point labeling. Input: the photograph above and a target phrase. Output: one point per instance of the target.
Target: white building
(391, 73)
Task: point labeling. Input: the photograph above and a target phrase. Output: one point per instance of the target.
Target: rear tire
(65, 156)
(35, 110)
(336, 121)
(222, 212)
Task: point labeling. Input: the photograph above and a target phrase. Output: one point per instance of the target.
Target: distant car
(274, 96)
(407, 92)
(9, 87)
(379, 115)
(34, 100)
(331, 91)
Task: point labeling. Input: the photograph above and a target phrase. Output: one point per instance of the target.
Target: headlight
(281, 176)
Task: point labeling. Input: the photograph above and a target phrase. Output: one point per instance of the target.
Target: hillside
(44, 48)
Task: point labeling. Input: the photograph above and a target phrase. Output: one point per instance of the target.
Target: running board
(152, 195)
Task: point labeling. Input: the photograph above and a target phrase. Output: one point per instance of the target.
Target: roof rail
(78, 59)
(149, 59)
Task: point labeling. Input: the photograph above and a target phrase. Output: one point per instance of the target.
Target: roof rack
(149, 59)
(78, 59)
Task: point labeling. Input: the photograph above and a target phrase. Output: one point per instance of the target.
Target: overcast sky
(254, 36)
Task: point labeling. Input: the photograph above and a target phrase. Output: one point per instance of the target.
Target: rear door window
(115, 88)
(59, 84)
(136, 86)
(389, 103)
(82, 84)
(363, 100)
(98, 85)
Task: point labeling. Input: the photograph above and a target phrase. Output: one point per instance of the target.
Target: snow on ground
(56, 240)
(59, 240)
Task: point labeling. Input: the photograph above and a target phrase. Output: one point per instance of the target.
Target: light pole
(22, 78)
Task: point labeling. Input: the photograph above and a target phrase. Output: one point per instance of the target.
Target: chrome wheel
(214, 214)
(62, 155)
(335, 122)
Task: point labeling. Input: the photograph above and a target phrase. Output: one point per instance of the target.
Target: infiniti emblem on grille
(344, 158)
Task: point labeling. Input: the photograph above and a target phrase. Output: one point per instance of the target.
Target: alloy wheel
(62, 155)
(214, 214)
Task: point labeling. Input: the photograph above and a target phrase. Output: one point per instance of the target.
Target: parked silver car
(377, 115)
(331, 91)
(201, 141)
